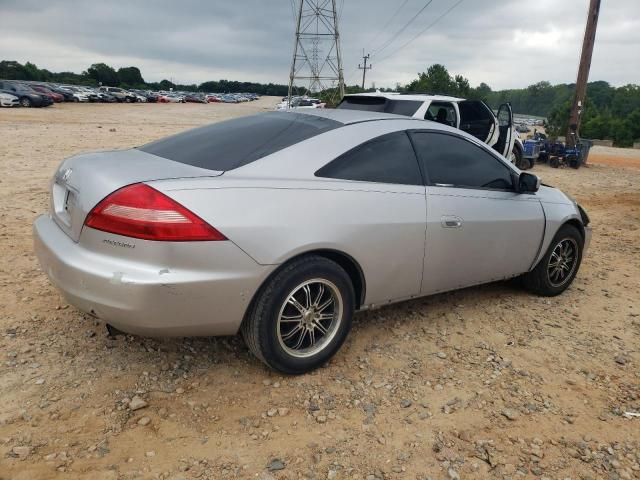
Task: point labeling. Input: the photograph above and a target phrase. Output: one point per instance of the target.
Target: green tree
(438, 80)
(558, 120)
(130, 76)
(482, 92)
(596, 127)
(166, 85)
(633, 122)
(625, 100)
(103, 73)
(462, 87)
(12, 70)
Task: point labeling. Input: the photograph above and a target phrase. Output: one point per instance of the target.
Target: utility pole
(317, 58)
(364, 68)
(583, 73)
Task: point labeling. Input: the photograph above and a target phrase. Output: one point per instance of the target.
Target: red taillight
(140, 211)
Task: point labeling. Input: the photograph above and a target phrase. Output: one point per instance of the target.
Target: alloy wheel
(562, 262)
(310, 318)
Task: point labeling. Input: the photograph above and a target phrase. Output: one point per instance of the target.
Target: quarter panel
(381, 226)
(84, 180)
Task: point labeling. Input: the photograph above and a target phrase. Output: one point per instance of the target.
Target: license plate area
(64, 201)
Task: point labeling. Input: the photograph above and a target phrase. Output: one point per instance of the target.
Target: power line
(388, 22)
(421, 32)
(406, 25)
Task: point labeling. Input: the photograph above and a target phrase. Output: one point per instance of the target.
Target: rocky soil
(488, 382)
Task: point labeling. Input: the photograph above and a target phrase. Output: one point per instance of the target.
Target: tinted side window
(380, 104)
(231, 144)
(386, 159)
(451, 160)
(403, 107)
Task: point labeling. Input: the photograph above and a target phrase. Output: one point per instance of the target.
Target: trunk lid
(83, 180)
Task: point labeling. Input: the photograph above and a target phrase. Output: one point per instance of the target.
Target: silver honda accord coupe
(281, 225)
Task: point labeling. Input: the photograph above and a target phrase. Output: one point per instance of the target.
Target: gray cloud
(506, 43)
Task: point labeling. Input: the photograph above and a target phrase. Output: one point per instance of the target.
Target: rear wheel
(573, 161)
(559, 266)
(301, 317)
(25, 102)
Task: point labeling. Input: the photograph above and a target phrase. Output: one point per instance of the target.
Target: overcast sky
(505, 43)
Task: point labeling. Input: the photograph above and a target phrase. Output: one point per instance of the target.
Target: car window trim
(428, 182)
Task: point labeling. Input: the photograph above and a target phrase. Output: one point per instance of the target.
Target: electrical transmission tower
(316, 56)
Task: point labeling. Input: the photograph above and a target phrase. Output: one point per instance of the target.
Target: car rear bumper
(144, 298)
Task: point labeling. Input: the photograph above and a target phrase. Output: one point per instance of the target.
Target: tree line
(609, 112)
(130, 77)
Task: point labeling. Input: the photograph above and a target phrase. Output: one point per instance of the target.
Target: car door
(477, 119)
(506, 137)
(380, 193)
(478, 228)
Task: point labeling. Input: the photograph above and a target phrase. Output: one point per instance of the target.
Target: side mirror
(528, 183)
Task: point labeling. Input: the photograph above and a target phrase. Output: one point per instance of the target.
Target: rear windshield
(380, 104)
(227, 145)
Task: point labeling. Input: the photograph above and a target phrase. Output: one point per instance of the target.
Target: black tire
(524, 164)
(76, 100)
(265, 336)
(554, 162)
(26, 102)
(519, 160)
(573, 162)
(540, 280)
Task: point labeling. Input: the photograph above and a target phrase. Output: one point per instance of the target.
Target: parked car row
(14, 93)
(22, 94)
(300, 102)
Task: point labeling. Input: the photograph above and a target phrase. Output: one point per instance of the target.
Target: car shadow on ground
(230, 353)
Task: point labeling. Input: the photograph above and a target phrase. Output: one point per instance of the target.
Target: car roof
(401, 96)
(347, 117)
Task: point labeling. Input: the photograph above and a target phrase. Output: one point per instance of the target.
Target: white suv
(472, 116)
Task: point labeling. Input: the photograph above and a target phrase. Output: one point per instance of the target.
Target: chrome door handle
(450, 221)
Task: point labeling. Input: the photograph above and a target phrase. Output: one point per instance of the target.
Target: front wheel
(302, 316)
(25, 102)
(559, 266)
(517, 158)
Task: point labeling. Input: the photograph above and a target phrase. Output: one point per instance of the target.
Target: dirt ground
(488, 382)
(615, 157)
